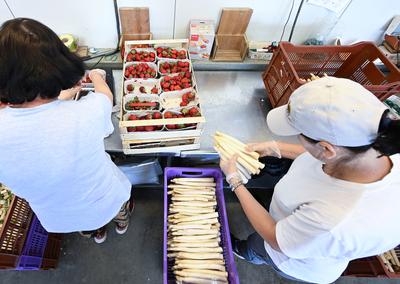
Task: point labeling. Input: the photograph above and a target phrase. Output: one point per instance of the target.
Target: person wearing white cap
(339, 200)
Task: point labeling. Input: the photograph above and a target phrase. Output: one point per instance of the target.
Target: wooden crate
(166, 141)
(135, 25)
(231, 43)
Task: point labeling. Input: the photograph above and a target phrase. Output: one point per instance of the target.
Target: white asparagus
(229, 153)
(196, 204)
(190, 187)
(240, 144)
(206, 221)
(198, 237)
(195, 245)
(200, 266)
(194, 280)
(194, 192)
(189, 195)
(226, 143)
(174, 240)
(188, 198)
(196, 184)
(208, 272)
(179, 227)
(177, 209)
(200, 217)
(199, 275)
(195, 232)
(244, 174)
(200, 249)
(251, 161)
(199, 180)
(199, 255)
(180, 261)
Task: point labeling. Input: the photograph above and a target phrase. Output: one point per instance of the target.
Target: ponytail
(388, 140)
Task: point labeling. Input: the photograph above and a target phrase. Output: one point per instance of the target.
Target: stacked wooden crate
(156, 117)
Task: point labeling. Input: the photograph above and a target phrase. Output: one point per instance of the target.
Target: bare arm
(100, 86)
(290, 151)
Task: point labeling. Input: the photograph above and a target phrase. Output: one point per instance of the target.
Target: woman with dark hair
(51, 147)
(339, 199)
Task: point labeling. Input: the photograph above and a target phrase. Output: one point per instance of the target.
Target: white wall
(4, 12)
(93, 21)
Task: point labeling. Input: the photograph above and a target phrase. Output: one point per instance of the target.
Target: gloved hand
(229, 167)
(96, 72)
(268, 148)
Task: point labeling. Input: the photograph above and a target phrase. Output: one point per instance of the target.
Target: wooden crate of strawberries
(160, 106)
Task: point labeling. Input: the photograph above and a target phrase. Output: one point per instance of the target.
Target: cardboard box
(201, 39)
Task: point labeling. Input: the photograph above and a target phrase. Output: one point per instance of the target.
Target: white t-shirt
(323, 222)
(53, 156)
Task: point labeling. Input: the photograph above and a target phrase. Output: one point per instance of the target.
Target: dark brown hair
(34, 62)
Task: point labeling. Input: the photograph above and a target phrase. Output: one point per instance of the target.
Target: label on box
(201, 36)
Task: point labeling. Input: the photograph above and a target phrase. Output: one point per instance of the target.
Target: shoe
(235, 242)
(100, 235)
(121, 229)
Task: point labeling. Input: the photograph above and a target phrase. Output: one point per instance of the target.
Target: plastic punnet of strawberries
(168, 52)
(142, 89)
(141, 55)
(187, 98)
(174, 67)
(186, 112)
(149, 116)
(141, 70)
(178, 82)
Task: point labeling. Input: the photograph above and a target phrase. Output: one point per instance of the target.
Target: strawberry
(157, 115)
(142, 90)
(193, 111)
(132, 117)
(154, 90)
(149, 128)
(168, 114)
(183, 103)
(148, 116)
(131, 129)
(140, 128)
(171, 126)
(130, 88)
(190, 96)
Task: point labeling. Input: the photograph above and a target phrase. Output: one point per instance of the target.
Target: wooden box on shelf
(231, 43)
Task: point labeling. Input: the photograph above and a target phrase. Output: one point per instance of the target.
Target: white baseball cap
(336, 110)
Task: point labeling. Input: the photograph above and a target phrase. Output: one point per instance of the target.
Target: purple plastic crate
(171, 173)
(35, 245)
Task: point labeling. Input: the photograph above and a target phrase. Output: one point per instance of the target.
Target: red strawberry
(154, 90)
(148, 116)
(168, 114)
(157, 115)
(132, 117)
(149, 128)
(131, 129)
(142, 90)
(171, 126)
(130, 88)
(183, 103)
(193, 111)
(140, 128)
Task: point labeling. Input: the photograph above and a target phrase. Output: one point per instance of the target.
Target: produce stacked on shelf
(194, 237)
(160, 96)
(247, 162)
(5, 201)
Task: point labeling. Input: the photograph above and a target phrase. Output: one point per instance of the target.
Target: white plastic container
(171, 100)
(148, 85)
(142, 98)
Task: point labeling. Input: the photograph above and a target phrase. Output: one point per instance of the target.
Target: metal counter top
(234, 102)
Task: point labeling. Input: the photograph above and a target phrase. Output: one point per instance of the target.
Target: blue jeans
(253, 251)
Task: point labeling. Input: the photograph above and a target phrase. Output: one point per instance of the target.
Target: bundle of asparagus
(194, 232)
(391, 260)
(247, 163)
(5, 201)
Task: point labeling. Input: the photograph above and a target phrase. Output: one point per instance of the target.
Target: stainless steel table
(234, 102)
